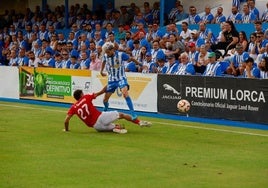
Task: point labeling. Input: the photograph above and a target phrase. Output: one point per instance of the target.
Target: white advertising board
(143, 92)
(9, 82)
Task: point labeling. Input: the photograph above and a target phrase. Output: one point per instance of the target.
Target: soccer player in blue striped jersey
(114, 61)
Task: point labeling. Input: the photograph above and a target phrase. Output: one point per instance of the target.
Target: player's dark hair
(77, 94)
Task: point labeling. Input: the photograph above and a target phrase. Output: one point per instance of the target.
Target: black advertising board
(215, 97)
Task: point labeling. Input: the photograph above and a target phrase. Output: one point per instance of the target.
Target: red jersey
(85, 110)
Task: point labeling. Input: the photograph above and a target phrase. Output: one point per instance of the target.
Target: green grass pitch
(35, 152)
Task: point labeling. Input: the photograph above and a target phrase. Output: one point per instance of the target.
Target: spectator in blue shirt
(236, 3)
(129, 42)
(213, 68)
(198, 41)
(147, 15)
(263, 66)
(192, 53)
(84, 61)
(43, 33)
(235, 16)
(206, 33)
(219, 17)
(22, 43)
(66, 62)
(251, 70)
(156, 12)
(154, 33)
(156, 51)
(58, 61)
(248, 16)
(193, 18)
(253, 9)
(181, 15)
(144, 42)
(72, 40)
(208, 17)
(97, 38)
(173, 12)
(23, 60)
(13, 59)
(185, 67)
(48, 60)
(264, 17)
(171, 67)
(74, 63)
(236, 67)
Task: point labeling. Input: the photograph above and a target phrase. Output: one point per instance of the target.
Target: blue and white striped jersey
(115, 66)
(213, 69)
(263, 75)
(236, 3)
(186, 69)
(239, 59)
(255, 72)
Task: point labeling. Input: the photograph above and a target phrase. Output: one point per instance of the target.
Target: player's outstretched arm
(102, 68)
(66, 122)
(101, 91)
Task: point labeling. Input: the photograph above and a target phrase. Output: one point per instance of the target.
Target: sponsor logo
(82, 84)
(175, 94)
(137, 86)
(170, 88)
(226, 94)
(87, 84)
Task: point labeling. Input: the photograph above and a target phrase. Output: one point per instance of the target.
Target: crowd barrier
(9, 82)
(237, 99)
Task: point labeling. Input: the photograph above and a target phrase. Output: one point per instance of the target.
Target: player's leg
(105, 123)
(128, 118)
(106, 98)
(119, 129)
(124, 87)
(129, 102)
(111, 87)
(136, 121)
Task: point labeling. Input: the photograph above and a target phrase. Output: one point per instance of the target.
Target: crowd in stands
(33, 39)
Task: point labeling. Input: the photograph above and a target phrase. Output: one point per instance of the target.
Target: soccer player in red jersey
(92, 117)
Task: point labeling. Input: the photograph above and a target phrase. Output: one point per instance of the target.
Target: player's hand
(103, 74)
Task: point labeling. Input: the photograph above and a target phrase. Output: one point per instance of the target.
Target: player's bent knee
(125, 94)
(121, 115)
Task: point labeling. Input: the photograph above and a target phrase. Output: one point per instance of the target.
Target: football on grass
(183, 106)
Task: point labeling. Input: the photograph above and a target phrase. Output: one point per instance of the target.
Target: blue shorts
(112, 86)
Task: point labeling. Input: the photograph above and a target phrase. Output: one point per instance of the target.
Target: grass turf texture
(34, 152)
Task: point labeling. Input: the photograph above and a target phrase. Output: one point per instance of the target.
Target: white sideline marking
(171, 124)
(28, 107)
(214, 129)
